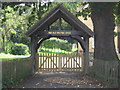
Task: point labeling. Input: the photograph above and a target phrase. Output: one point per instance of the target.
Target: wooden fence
(60, 62)
(106, 71)
(14, 71)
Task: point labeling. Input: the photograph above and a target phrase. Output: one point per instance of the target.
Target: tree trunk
(3, 43)
(118, 29)
(103, 22)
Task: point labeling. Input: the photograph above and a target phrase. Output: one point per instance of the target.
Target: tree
(104, 24)
(101, 13)
(117, 14)
(15, 21)
(104, 15)
(8, 26)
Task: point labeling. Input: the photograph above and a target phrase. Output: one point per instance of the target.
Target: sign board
(59, 33)
(62, 33)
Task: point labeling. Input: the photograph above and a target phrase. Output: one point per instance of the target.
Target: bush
(57, 43)
(8, 47)
(20, 49)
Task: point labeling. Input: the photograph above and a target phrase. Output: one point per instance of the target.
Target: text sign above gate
(62, 33)
(59, 33)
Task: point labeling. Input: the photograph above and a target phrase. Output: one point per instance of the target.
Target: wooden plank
(53, 56)
(63, 61)
(80, 59)
(109, 69)
(71, 64)
(66, 63)
(67, 60)
(76, 62)
(56, 61)
(48, 61)
(44, 61)
(52, 61)
(59, 64)
(41, 58)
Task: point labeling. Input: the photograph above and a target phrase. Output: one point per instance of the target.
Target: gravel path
(60, 80)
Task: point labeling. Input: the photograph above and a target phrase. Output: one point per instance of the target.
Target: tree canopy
(17, 17)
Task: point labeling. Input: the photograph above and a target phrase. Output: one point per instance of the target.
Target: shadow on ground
(60, 80)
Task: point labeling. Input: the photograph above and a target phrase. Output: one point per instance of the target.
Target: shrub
(20, 49)
(8, 47)
(57, 43)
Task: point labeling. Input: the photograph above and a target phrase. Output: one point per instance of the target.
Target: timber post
(33, 53)
(37, 62)
(86, 56)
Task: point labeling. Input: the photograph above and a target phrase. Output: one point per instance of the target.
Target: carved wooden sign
(59, 33)
(62, 33)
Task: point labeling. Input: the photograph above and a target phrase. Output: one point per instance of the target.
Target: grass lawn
(9, 56)
(56, 50)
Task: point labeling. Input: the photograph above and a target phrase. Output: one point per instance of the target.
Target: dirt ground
(60, 80)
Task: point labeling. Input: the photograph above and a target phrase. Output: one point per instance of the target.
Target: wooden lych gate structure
(41, 31)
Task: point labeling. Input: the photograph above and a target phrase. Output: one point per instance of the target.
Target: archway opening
(60, 54)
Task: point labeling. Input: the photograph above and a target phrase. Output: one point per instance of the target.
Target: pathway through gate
(53, 62)
(60, 80)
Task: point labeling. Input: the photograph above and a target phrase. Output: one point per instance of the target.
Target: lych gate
(41, 31)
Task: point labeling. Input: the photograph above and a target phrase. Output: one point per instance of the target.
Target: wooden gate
(60, 62)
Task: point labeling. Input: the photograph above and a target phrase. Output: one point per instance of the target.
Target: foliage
(117, 14)
(57, 43)
(15, 22)
(48, 50)
(8, 46)
(6, 28)
(70, 40)
(20, 49)
(64, 25)
(86, 12)
(19, 37)
(17, 18)
(71, 6)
